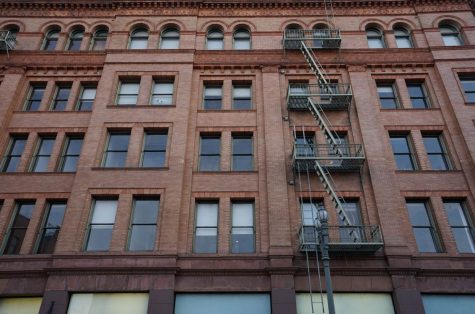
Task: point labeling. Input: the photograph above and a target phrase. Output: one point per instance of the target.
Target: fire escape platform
(313, 38)
(332, 96)
(351, 159)
(7, 41)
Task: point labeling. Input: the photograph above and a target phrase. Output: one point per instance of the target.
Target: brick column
(55, 302)
(161, 301)
(283, 294)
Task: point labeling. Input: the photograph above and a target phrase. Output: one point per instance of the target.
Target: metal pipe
(323, 219)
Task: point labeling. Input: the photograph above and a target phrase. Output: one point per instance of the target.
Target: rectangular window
(402, 152)
(16, 233)
(61, 97)
(51, 225)
(101, 225)
(40, 160)
(210, 153)
(143, 226)
(418, 95)
(309, 211)
(213, 97)
(11, 160)
(461, 226)
(242, 97)
(154, 149)
(162, 93)
(128, 93)
(349, 233)
(206, 227)
(242, 153)
(34, 97)
(387, 96)
(117, 148)
(422, 226)
(71, 152)
(468, 85)
(242, 231)
(304, 144)
(86, 99)
(436, 152)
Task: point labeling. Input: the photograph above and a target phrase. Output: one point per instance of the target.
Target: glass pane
(162, 100)
(404, 162)
(170, 43)
(242, 163)
(242, 145)
(388, 103)
(242, 242)
(403, 42)
(104, 212)
(14, 242)
(375, 43)
(451, 40)
(48, 241)
(432, 144)
(115, 159)
(419, 103)
(163, 88)
(74, 146)
(244, 92)
(85, 105)
(213, 91)
(129, 88)
(212, 104)
(99, 238)
(88, 93)
(424, 240)
(242, 104)
(214, 44)
(142, 238)
(41, 164)
(99, 44)
(418, 214)
(415, 90)
(400, 145)
(55, 216)
(46, 146)
(470, 97)
(210, 145)
(108, 303)
(23, 216)
(70, 163)
(18, 146)
(11, 164)
(242, 44)
(20, 305)
(138, 43)
(468, 85)
(243, 215)
(353, 212)
(210, 163)
(464, 240)
(205, 243)
(155, 141)
(146, 211)
(455, 214)
(207, 215)
(438, 162)
(127, 100)
(153, 159)
(119, 142)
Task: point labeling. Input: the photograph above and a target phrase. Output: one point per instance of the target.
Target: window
(402, 152)
(102, 222)
(86, 98)
(349, 233)
(242, 97)
(320, 33)
(242, 39)
(375, 38)
(128, 93)
(162, 93)
(242, 231)
(61, 97)
(16, 233)
(11, 160)
(403, 37)
(107, 303)
(13, 29)
(468, 85)
(143, 226)
(51, 225)
(70, 156)
(139, 39)
(99, 39)
(309, 211)
(422, 226)
(436, 152)
(170, 39)
(51, 39)
(35, 95)
(242, 153)
(214, 39)
(213, 96)
(387, 96)
(75, 40)
(210, 151)
(460, 224)
(417, 92)
(117, 147)
(40, 160)
(450, 35)
(154, 149)
(304, 144)
(206, 228)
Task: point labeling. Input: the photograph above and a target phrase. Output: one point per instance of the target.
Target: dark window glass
(402, 153)
(99, 39)
(143, 228)
(462, 230)
(75, 40)
(468, 85)
(242, 153)
(12, 158)
(206, 228)
(242, 97)
(88, 94)
(43, 153)
(242, 231)
(422, 226)
(16, 232)
(50, 230)
(436, 152)
(117, 147)
(213, 96)
(304, 145)
(70, 157)
(50, 41)
(387, 96)
(210, 152)
(34, 99)
(355, 231)
(61, 98)
(418, 95)
(154, 149)
(101, 225)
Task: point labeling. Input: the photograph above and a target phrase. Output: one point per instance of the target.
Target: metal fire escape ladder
(314, 64)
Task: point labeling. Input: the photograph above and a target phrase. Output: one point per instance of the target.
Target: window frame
(174, 40)
(213, 37)
(164, 151)
(453, 33)
(407, 37)
(132, 224)
(237, 86)
(196, 227)
(37, 155)
(444, 152)
(253, 227)
(234, 154)
(43, 228)
(163, 81)
(55, 101)
(14, 215)
(201, 154)
(9, 152)
(125, 81)
(425, 95)
(81, 99)
(134, 37)
(90, 223)
(395, 98)
(64, 153)
(98, 37)
(241, 38)
(213, 85)
(410, 153)
(106, 149)
(74, 37)
(31, 91)
(48, 39)
(378, 35)
(470, 231)
(433, 230)
(463, 77)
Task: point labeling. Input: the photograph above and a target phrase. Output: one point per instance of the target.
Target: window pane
(153, 159)
(18, 146)
(242, 163)
(464, 240)
(11, 164)
(104, 212)
(41, 164)
(205, 241)
(22, 219)
(119, 142)
(210, 145)
(108, 303)
(425, 241)
(242, 240)
(146, 211)
(99, 238)
(438, 162)
(74, 146)
(49, 238)
(451, 40)
(403, 42)
(142, 238)
(418, 214)
(55, 217)
(242, 145)
(400, 145)
(155, 141)
(455, 214)
(115, 159)
(70, 164)
(207, 215)
(375, 43)
(242, 92)
(404, 162)
(210, 163)
(15, 241)
(243, 215)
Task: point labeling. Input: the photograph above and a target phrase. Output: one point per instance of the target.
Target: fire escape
(7, 41)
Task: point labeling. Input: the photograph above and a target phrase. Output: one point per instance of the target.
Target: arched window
(375, 38)
(450, 35)
(99, 39)
(242, 39)
(293, 31)
(320, 32)
(214, 39)
(75, 39)
(170, 39)
(403, 37)
(13, 29)
(51, 39)
(139, 39)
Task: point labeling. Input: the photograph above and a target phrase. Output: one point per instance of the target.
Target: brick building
(161, 157)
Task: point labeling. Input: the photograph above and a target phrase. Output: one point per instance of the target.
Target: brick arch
(284, 25)
(313, 23)
(51, 24)
(76, 25)
(94, 27)
(19, 24)
(139, 23)
(215, 23)
(449, 19)
(373, 22)
(251, 27)
(402, 22)
(170, 23)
